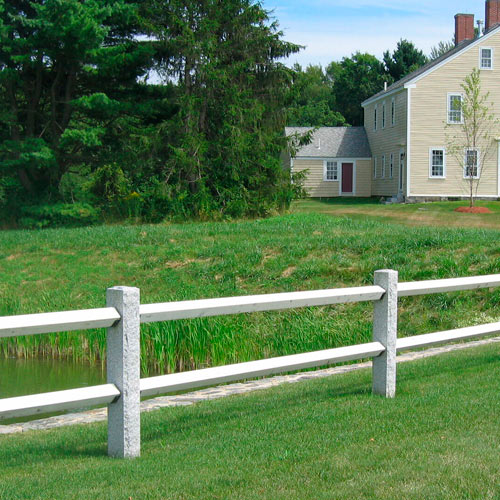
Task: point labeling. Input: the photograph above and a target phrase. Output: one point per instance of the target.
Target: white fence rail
(124, 313)
(33, 324)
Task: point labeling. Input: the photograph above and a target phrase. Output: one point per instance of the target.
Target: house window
(454, 108)
(391, 166)
(393, 112)
(437, 163)
(375, 167)
(383, 115)
(375, 118)
(331, 171)
(486, 58)
(383, 167)
(471, 164)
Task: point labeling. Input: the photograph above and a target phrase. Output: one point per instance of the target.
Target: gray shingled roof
(334, 142)
(428, 66)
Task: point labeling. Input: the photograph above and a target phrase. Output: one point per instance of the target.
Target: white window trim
(393, 112)
(391, 166)
(478, 176)
(450, 94)
(383, 167)
(325, 163)
(481, 58)
(437, 148)
(375, 117)
(375, 167)
(384, 117)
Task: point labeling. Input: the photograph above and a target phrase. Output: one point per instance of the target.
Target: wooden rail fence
(124, 314)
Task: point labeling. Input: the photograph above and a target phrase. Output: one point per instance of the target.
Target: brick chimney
(492, 13)
(464, 26)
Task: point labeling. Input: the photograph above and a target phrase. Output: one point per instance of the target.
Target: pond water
(19, 377)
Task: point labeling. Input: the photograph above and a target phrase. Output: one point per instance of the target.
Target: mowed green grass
(67, 269)
(441, 214)
(322, 439)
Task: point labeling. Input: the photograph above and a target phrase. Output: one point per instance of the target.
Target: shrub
(109, 186)
(61, 214)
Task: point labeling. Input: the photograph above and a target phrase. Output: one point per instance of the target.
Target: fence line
(124, 314)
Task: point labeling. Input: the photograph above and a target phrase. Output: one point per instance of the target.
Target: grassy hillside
(64, 269)
(322, 439)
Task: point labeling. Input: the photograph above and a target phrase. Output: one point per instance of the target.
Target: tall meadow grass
(65, 269)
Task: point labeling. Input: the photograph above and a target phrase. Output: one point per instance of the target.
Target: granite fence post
(385, 326)
(123, 370)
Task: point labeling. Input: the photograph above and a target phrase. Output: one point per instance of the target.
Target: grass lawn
(65, 269)
(440, 214)
(322, 439)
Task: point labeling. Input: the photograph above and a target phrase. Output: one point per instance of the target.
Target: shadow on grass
(79, 442)
(90, 440)
(299, 399)
(348, 201)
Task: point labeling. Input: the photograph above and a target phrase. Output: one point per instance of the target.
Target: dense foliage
(312, 99)
(333, 96)
(404, 60)
(144, 109)
(121, 108)
(358, 77)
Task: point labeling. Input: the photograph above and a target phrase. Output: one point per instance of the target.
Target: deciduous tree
(472, 141)
(355, 79)
(313, 101)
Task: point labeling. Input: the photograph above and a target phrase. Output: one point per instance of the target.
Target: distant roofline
(336, 142)
(319, 128)
(422, 72)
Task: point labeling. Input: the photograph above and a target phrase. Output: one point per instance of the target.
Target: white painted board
(411, 288)
(48, 402)
(31, 324)
(220, 374)
(251, 303)
(447, 336)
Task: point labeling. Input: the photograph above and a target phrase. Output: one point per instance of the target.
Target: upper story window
(486, 58)
(375, 167)
(393, 112)
(331, 171)
(471, 164)
(383, 115)
(437, 163)
(383, 167)
(391, 166)
(454, 108)
(375, 118)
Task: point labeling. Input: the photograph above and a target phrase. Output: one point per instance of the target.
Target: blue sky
(332, 29)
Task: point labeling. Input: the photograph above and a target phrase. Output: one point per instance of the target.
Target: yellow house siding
(316, 187)
(363, 178)
(387, 140)
(429, 107)
(314, 184)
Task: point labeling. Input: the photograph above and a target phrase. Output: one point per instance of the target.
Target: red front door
(347, 176)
